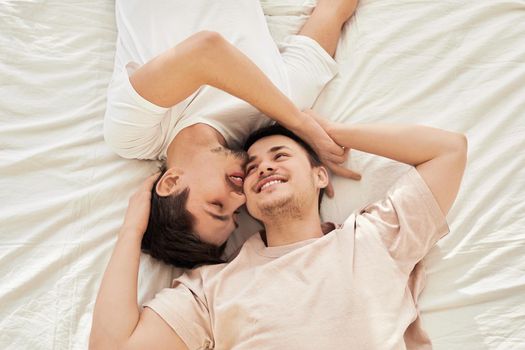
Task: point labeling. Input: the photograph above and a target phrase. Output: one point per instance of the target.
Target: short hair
(169, 236)
(276, 129)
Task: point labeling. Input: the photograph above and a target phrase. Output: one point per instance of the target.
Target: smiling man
(301, 284)
(192, 80)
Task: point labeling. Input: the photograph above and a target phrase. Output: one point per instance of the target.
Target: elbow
(203, 49)
(460, 149)
(454, 142)
(209, 38)
(462, 144)
(207, 43)
(208, 47)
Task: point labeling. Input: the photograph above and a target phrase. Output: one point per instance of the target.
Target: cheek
(221, 238)
(210, 181)
(250, 206)
(249, 200)
(249, 182)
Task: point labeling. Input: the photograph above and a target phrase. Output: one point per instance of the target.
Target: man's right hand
(328, 155)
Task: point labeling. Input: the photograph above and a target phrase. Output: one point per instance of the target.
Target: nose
(265, 169)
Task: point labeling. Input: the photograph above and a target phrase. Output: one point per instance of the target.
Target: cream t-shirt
(356, 287)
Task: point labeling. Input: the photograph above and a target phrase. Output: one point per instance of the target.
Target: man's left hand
(137, 215)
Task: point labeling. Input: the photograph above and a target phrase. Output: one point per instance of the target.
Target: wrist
(331, 129)
(295, 122)
(341, 133)
(130, 234)
(301, 126)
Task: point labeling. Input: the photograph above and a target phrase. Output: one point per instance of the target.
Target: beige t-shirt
(356, 287)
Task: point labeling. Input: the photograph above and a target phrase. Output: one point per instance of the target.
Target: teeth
(268, 184)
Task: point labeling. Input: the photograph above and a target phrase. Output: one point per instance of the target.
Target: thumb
(329, 190)
(344, 172)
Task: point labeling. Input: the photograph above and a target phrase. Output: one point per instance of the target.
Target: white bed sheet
(458, 65)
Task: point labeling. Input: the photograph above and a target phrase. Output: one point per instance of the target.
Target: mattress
(458, 65)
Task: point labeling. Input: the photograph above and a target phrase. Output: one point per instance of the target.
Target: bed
(458, 65)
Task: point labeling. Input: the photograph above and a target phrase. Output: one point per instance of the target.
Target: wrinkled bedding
(458, 65)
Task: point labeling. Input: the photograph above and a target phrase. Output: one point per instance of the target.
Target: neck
(283, 230)
(190, 140)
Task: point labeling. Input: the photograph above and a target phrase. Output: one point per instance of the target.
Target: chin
(277, 205)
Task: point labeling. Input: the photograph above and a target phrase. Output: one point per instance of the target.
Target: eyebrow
(271, 150)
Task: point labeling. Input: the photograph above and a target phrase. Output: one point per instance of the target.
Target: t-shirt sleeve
(184, 308)
(408, 220)
(133, 126)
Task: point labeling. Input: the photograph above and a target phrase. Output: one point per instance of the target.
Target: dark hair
(169, 236)
(277, 129)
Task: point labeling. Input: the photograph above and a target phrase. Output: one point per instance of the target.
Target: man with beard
(192, 80)
(301, 284)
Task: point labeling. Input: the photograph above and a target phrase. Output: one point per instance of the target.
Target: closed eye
(223, 218)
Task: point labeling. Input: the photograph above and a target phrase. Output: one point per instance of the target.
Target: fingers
(338, 158)
(148, 183)
(344, 172)
(329, 190)
(340, 171)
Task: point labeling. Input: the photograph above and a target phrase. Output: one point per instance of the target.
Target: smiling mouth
(268, 182)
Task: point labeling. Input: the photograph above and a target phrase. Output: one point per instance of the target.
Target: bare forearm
(116, 311)
(411, 144)
(208, 59)
(231, 71)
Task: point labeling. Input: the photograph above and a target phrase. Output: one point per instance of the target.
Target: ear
(321, 176)
(170, 183)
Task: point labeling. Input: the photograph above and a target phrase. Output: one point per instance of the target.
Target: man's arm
(117, 321)
(438, 155)
(206, 58)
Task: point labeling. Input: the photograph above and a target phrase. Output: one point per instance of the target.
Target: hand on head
(136, 220)
(315, 131)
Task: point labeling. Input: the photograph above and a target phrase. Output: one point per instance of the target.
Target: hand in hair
(334, 162)
(137, 215)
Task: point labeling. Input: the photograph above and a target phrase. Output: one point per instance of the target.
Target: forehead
(269, 143)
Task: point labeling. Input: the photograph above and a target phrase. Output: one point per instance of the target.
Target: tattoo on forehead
(217, 149)
(239, 154)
